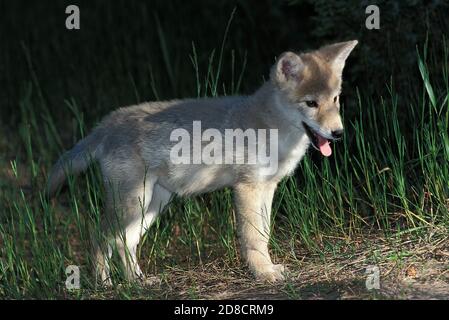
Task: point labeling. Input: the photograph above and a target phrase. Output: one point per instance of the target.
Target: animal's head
(308, 86)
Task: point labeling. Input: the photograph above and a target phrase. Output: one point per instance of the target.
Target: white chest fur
(290, 153)
(291, 150)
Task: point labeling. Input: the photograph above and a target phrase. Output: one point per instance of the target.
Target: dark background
(125, 46)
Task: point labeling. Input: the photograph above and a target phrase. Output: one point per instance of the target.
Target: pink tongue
(324, 146)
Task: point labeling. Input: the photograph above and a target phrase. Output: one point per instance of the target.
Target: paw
(103, 279)
(280, 268)
(104, 282)
(273, 273)
(142, 280)
(150, 281)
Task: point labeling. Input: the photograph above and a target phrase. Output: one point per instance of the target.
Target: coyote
(133, 146)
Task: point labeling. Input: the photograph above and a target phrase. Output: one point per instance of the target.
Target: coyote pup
(133, 147)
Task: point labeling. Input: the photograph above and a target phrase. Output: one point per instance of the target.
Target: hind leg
(134, 201)
(136, 228)
(101, 243)
(129, 188)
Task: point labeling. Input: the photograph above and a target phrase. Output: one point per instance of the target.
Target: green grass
(389, 175)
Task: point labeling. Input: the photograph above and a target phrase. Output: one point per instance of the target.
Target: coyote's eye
(312, 104)
(336, 99)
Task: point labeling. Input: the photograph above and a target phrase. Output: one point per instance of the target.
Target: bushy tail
(73, 161)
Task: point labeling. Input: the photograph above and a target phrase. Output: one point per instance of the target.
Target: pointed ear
(337, 53)
(287, 69)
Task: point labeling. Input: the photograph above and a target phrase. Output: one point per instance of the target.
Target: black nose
(337, 134)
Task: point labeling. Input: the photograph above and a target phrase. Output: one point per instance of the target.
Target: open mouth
(319, 142)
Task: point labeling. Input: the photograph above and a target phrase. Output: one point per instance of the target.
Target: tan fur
(253, 205)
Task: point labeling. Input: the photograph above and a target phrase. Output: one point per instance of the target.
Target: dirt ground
(407, 270)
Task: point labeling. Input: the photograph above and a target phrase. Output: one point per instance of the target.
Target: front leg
(253, 204)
